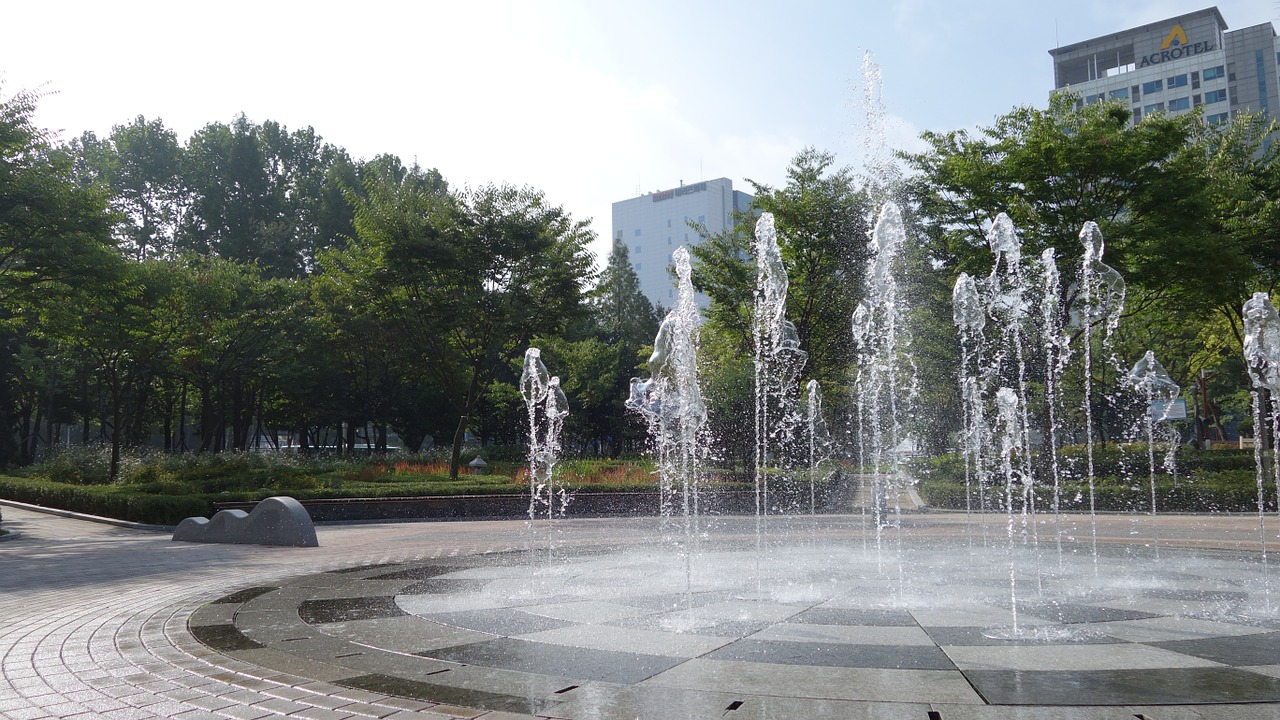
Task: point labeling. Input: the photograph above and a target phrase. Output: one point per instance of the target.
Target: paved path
(94, 618)
(93, 621)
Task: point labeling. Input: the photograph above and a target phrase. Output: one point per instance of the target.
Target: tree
(141, 164)
(820, 217)
(466, 279)
(1184, 208)
(625, 323)
(52, 230)
(55, 235)
(263, 194)
(1054, 169)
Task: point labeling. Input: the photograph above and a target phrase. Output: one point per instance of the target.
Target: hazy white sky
(588, 101)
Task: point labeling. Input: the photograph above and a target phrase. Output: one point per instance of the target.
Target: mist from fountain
(778, 362)
(671, 402)
(887, 382)
(547, 407)
(1158, 392)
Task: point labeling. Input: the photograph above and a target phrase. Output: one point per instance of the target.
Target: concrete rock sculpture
(276, 520)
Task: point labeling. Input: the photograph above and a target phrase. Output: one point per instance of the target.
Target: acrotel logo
(1175, 46)
(1177, 37)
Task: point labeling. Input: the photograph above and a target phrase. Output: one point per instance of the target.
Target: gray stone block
(274, 521)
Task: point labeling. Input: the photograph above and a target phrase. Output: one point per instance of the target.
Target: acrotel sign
(1175, 46)
(677, 192)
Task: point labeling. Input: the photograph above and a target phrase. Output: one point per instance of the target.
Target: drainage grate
(564, 690)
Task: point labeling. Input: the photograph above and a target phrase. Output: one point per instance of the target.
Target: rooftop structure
(1177, 65)
(655, 224)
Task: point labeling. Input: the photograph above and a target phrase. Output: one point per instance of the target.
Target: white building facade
(654, 225)
(1176, 65)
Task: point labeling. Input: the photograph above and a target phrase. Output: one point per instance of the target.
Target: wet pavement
(624, 618)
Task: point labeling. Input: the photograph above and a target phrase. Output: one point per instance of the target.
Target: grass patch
(1205, 481)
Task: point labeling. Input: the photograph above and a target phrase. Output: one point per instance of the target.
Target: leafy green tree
(468, 280)
(263, 194)
(55, 235)
(234, 343)
(141, 164)
(820, 215)
(53, 231)
(1184, 209)
(1051, 170)
(625, 324)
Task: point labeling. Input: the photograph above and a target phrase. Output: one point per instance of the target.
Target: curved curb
(85, 516)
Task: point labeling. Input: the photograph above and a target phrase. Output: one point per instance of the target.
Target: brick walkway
(94, 618)
(93, 621)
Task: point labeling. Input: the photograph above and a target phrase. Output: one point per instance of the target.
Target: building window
(702, 218)
(1181, 103)
(1154, 86)
(1213, 73)
(637, 232)
(1136, 92)
(668, 239)
(1231, 72)
(1214, 96)
(1153, 108)
(1218, 119)
(1137, 115)
(1091, 99)
(1177, 81)
(1258, 58)
(1196, 101)
(637, 267)
(1121, 94)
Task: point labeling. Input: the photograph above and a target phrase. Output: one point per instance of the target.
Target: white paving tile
(1118, 656)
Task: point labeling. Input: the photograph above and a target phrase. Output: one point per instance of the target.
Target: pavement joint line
(84, 516)
(156, 617)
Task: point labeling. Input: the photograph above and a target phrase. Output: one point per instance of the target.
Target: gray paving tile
(842, 616)
(909, 657)
(242, 596)
(545, 658)
(980, 636)
(1170, 686)
(499, 621)
(1254, 649)
(1073, 613)
(417, 689)
(344, 609)
(224, 638)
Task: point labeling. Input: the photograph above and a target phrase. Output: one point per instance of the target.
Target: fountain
(792, 612)
(547, 407)
(676, 615)
(671, 400)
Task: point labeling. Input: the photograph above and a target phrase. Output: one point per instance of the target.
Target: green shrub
(77, 465)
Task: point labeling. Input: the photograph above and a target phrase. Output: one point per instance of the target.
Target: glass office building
(655, 224)
(1176, 65)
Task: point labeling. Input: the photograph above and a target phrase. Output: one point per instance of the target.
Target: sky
(590, 102)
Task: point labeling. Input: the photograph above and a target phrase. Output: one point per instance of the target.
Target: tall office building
(1175, 65)
(654, 225)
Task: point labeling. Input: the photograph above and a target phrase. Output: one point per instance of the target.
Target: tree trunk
(458, 436)
(117, 431)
